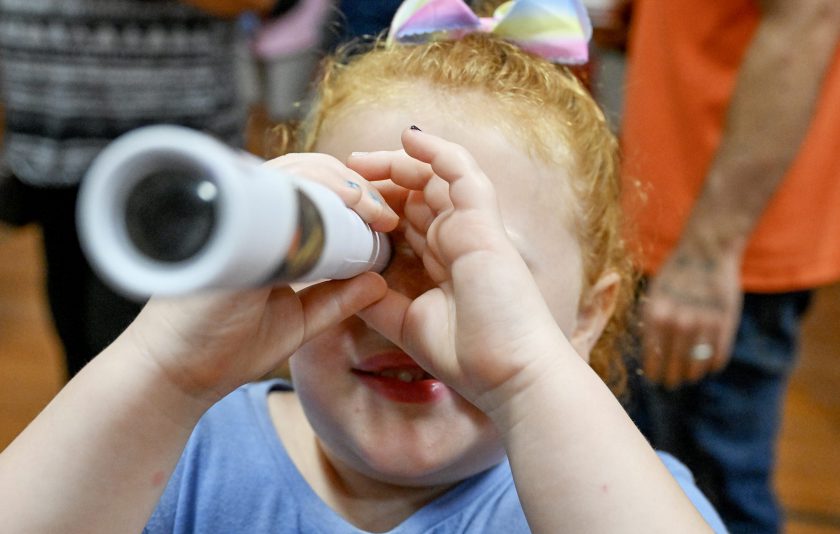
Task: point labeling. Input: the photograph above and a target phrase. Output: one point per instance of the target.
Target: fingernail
(353, 154)
(413, 127)
(352, 185)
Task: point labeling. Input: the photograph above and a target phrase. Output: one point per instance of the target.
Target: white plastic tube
(167, 210)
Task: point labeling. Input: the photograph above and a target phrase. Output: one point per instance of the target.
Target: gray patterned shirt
(75, 74)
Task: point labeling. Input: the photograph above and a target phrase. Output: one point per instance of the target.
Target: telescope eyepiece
(171, 215)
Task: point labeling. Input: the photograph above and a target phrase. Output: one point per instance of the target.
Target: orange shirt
(684, 59)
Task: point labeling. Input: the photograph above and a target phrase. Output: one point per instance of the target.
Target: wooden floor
(808, 477)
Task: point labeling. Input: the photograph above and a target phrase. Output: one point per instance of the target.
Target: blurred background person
(283, 53)
(608, 54)
(75, 74)
(280, 62)
(360, 18)
(732, 130)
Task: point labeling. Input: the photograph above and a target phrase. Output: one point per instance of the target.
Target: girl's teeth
(405, 376)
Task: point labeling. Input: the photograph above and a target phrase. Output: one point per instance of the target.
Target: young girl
(419, 397)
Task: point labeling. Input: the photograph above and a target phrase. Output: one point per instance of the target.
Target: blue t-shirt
(236, 477)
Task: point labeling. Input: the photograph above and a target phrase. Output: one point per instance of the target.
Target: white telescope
(167, 210)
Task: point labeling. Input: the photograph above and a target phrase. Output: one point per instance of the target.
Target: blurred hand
(690, 314)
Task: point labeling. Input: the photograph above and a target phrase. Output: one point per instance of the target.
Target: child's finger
(436, 194)
(418, 213)
(354, 190)
(367, 201)
(412, 332)
(328, 303)
(433, 265)
(395, 196)
(405, 171)
(416, 240)
(469, 187)
(395, 165)
(387, 316)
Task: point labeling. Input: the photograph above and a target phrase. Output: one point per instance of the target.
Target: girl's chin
(413, 477)
(423, 466)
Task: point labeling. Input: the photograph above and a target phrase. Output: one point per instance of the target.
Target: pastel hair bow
(558, 30)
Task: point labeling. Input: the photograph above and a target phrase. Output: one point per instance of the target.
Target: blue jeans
(725, 426)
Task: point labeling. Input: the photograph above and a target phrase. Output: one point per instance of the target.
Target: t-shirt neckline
(323, 518)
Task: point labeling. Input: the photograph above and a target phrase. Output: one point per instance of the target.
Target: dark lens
(170, 216)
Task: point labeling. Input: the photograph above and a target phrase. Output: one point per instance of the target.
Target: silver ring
(702, 352)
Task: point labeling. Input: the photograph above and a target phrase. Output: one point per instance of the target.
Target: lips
(396, 377)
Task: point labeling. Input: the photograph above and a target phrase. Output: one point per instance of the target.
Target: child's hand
(485, 330)
(209, 344)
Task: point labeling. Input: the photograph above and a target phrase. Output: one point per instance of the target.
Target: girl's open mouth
(398, 378)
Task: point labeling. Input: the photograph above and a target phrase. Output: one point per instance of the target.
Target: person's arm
(696, 296)
(232, 8)
(97, 459)
(579, 463)
(101, 452)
